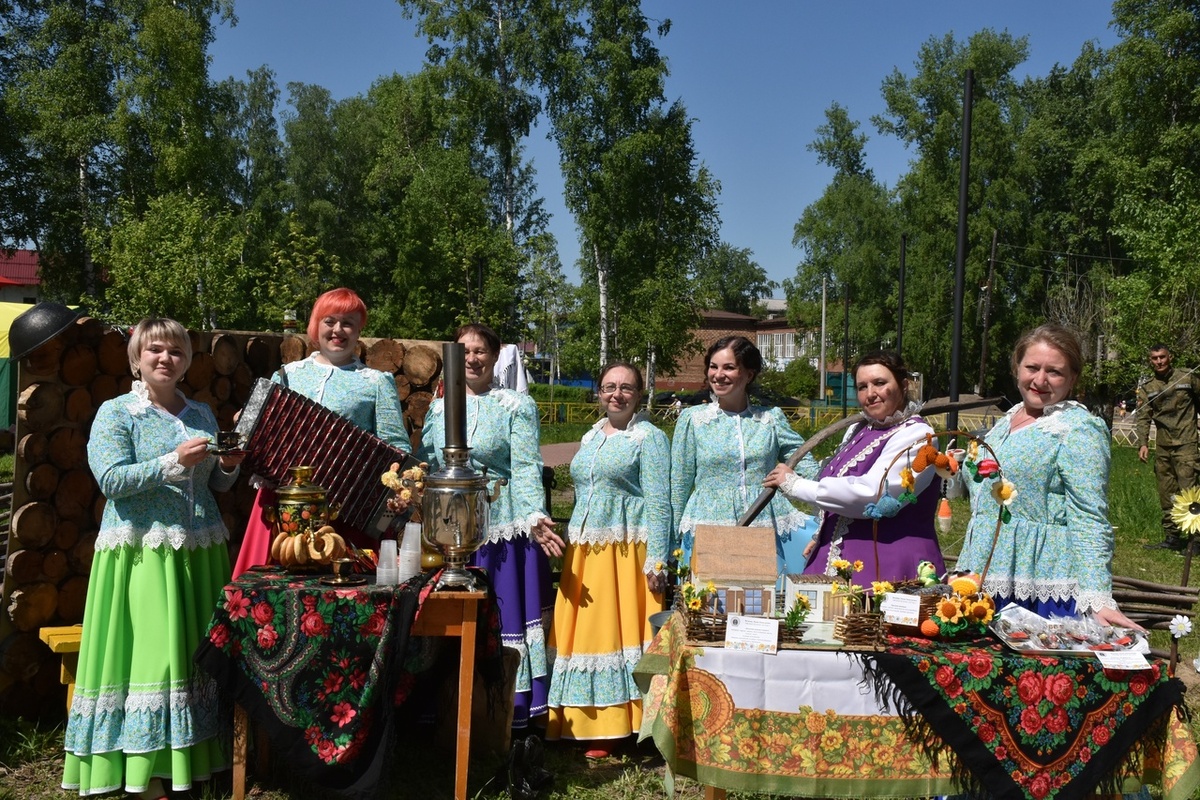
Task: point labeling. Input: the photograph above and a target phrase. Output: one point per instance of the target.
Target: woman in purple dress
(852, 478)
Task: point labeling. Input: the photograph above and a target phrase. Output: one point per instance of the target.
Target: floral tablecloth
(800, 735)
(773, 724)
(1028, 726)
(316, 665)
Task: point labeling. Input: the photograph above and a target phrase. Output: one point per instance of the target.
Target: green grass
(7, 461)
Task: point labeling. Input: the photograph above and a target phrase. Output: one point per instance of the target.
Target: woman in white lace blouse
(141, 714)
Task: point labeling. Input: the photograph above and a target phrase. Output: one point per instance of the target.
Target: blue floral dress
(141, 710)
(1055, 554)
(618, 535)
(503, 434)
(718, 462)
(365, 396)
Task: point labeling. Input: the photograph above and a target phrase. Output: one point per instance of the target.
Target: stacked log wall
(56, 503)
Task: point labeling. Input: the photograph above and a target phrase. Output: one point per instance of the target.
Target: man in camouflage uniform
(1171, 398)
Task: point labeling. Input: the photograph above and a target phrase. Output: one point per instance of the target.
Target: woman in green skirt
(142, 716)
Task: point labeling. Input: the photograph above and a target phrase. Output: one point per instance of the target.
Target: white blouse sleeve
(848, 496)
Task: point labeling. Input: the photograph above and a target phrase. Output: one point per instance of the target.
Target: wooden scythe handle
(928, 410)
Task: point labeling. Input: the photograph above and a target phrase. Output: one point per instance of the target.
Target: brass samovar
(455, 506)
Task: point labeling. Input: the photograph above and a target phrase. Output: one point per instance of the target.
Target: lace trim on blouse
(142, 404)
(1044, 590)
(710, 412)
(634, 430)
(903, 414)
(175, 537)
(511, 530)
(617, 535)
(1052, 421)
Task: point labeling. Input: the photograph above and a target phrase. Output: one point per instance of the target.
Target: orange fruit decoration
(929, 628)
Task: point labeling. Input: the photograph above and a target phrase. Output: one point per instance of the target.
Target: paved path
(555, 454)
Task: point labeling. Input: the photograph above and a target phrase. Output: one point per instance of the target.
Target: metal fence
(804, 417)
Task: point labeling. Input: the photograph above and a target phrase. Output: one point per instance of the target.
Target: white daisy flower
(1180, 626)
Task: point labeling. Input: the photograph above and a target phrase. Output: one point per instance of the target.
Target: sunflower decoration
(1186, 510)
(844, 586)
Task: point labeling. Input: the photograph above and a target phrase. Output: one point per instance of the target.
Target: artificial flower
(1180, 626)
(1186, 511)
(1004, 491)
(980, 611)
(949, 610)
(987, 468)
(710, 587)
(858, 565)
(659, 566)
(694, 604)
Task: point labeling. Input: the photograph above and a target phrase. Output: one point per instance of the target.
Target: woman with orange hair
(333, 376)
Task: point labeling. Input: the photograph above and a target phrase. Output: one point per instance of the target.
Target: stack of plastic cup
(410, 553)
(385, 570)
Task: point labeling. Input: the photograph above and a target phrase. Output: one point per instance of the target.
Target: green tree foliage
(644, 205)
(1150, 93)
(798, 379)
(174, 260)
(849, 239)
(110, 103)
(728, 278)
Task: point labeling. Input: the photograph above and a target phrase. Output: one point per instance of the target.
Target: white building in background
(780, 343)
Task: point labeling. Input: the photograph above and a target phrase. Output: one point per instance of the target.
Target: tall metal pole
(961, 257)
(822, 365)
(845, 350)
(987, 313)
(900, 316)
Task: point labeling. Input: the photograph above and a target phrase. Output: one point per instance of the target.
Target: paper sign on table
(1122, 659)
(752, 633)
(901, 609)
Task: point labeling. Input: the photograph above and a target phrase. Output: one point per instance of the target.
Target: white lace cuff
(173, 471)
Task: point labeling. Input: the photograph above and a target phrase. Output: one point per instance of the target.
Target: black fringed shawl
(1016, 726)
(321, 669)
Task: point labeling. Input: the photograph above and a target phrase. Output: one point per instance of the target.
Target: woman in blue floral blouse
(721, 452)
(334, 377)
(503, 433)
(612, 576)
(142, 715)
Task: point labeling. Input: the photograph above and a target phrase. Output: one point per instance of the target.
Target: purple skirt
(520, 573)
(899, 554)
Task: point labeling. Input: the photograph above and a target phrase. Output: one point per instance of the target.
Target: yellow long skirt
(600, 630)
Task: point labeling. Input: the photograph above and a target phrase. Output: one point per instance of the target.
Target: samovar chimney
(455, 505)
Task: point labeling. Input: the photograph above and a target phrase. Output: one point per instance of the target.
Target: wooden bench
(65, 642)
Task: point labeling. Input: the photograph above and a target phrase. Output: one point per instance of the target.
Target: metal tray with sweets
(1026, 632)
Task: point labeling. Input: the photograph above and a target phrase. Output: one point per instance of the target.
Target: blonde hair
(162, 329)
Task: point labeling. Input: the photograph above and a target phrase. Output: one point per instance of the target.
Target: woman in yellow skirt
(612, 578)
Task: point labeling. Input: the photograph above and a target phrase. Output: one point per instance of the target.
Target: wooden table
(445, 613)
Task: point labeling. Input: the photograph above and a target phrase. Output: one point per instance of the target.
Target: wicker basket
(705, 626)
(862, 630)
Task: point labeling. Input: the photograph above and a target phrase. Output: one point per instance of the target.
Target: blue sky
(755, 75)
